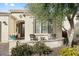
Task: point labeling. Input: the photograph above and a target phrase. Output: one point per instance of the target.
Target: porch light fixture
(4, 22)
(24, 15)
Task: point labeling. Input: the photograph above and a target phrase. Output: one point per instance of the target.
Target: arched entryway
(20, 29)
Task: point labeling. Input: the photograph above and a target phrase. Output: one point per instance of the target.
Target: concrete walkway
(4, 49)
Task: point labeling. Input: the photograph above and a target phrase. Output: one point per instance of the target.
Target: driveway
(4, 49)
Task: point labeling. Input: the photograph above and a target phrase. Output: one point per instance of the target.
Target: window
(37, 26)
(50, 26)
(43, 26)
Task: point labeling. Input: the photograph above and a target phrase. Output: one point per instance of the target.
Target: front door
(21, 30)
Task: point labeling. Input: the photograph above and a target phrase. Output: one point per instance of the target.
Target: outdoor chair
(42, 38)
(33, 37)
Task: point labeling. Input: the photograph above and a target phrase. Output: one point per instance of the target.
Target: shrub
(22, 50)
(70, 51)
(41, 49)
(27, 50)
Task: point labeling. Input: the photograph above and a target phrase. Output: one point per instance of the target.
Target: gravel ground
(56, 51)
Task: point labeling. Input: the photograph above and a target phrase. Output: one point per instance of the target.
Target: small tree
(57, 12)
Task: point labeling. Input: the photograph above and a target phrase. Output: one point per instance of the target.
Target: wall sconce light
(4, 22)
(24, 15)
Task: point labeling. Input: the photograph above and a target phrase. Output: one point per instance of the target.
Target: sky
(9, 6)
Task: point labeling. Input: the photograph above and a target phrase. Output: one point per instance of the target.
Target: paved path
(4, 49)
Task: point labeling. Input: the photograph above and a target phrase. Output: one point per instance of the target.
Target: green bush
(70, 51)
(27, 50)
(41, 49)
(22, 50)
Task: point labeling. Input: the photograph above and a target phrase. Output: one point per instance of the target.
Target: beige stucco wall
(28, 27)
(12, 25)
(18, 15)
(4, 28)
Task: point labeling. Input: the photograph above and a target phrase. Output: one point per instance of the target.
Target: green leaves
(51, 10)
(70, 51)
(22, 50)
(41, 49)
(54, 11)
(28, 50)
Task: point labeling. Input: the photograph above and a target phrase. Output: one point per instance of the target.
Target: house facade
(4, 18)
(22, 26)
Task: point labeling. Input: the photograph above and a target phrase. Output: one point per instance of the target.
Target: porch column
(28, 27)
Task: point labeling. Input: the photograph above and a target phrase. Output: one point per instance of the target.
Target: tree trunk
(70, 37)
(71, 21)
(71, 31)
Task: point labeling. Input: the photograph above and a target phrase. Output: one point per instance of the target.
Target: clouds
(12, 4)
(9, 4)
